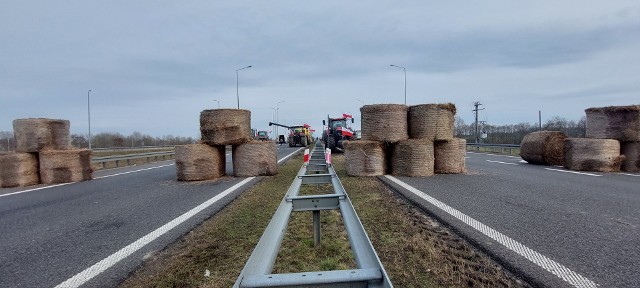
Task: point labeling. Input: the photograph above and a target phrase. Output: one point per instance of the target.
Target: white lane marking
(134, 171)
(62, 184)
(288, 156)
(522, 161)
(116, 257)
(554, 267)
(507, 163)
(636, 175)
(573, 172)
(35, 189)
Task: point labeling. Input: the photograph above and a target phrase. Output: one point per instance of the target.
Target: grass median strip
(415, 250)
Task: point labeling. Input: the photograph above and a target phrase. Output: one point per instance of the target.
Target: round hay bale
(432, 121)
(599, 155)
(615, 122)
(196, 162)
(225, 126)
(631, 160)
(18, 169)
(36, 134)
(64, 166)
(256, 158)
(384, 122)
(364, 158)
(413, 158)
(543, 147)
(449, 156)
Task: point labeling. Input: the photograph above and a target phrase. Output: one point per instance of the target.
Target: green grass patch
(415, 250)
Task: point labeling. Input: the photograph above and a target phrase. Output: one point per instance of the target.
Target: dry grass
(415, 250)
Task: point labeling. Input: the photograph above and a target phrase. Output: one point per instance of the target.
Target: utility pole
(475, 111)
(539, 120)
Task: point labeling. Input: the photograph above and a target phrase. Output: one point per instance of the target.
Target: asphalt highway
(94, 233)
(553, 227)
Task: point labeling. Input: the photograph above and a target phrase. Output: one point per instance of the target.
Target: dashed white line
(116, 257)
(573, 172)
(546, 263)
(500, 162)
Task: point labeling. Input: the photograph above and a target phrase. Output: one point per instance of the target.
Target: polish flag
(327, 156)
(347, 116)
(347, 132)
(306, 155)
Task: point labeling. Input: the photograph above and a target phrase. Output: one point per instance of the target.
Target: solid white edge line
(134, 171)
(34, 189)
(628, 174)
(507, 163)
(555, 268)
(289, 156)
(116, 257)
(573, 172)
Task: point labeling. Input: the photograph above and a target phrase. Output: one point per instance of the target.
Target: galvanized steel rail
(129, 157)
(369, 271)
(497, 148)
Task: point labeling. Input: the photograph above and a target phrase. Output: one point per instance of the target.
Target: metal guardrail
(369, 271)
(117, 158)
(132, 148)
(496, 148)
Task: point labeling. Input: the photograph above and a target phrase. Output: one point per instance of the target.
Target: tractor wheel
(303, 141)
(331, 143)
(291, 142)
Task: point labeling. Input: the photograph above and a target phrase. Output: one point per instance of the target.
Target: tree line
(496, 134)
(513, 133)
(107, 140)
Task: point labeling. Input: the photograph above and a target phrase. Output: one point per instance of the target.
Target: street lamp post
(405, 81)
(277, 112)
(237, 93)
(89, 116)
(218, 102)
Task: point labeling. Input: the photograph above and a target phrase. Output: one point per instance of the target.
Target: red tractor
(337, 131)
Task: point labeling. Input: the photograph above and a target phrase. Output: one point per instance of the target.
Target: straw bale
(384, 122)
(412, 157)
(432, 121)
(18, 169)
(543, 147)
(615, 122)
(196, 162)
(256, 158)
(225, 126)
(36, 134)
(631, 152)
(600, 155)
(364, 158)
(64, 166)
(449, 156)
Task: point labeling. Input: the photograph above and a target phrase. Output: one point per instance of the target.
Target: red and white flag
(306, 155)
(327, 156)
(347, 132)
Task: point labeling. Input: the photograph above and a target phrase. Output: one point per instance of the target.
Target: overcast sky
(153, 66)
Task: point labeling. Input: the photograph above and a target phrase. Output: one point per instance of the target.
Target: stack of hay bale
(543, 148)
(612, 143)
(406, 141)
(218, 128)
(43, 155)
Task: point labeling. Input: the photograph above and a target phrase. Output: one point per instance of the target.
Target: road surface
(69, 234)
(554, 227)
